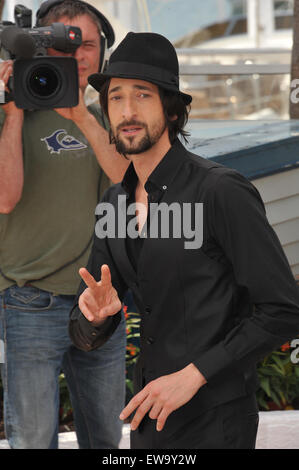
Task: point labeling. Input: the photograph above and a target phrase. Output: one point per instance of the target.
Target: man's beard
(141, 146)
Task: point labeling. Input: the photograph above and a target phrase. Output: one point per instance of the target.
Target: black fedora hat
(144, 56)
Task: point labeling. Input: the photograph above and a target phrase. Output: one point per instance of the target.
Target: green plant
(133, 348)
(65, 401)
(279, 380)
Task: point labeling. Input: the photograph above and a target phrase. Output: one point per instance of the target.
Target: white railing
(217, 86)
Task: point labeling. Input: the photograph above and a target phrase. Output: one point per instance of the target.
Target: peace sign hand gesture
(99, 300)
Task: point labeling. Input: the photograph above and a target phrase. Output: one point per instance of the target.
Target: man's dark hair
(71, 9)
(175, 111)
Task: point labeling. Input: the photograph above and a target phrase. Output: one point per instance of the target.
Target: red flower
(125, 309)
(285, 347)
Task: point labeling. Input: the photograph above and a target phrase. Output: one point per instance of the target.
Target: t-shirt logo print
(60, 140)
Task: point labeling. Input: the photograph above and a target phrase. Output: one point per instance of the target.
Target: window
(283, 10)
(239, 7)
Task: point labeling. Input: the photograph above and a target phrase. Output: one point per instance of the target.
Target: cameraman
(51, 165)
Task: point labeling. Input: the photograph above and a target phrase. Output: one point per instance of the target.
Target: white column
(266, 13)
(253, 25)
(260, 21)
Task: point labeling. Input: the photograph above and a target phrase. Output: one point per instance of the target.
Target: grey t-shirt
(54, 220)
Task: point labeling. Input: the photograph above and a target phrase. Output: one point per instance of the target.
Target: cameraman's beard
(141, 146)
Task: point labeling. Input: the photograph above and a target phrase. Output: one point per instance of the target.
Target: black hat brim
(97, 80)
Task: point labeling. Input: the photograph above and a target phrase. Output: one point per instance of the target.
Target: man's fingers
(6, 70)
(155, 411)
(111, 309)
(133, 404)
(88, 278)
(141, 411)
(142, 403)
(162, 419)
(7, 74)
(85, 309)
(105, 275)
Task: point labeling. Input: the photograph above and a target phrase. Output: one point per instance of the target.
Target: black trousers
(231, 425)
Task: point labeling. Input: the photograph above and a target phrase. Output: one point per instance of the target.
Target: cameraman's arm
(113, 164)
(11, 152)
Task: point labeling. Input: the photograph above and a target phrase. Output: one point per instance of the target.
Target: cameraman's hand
(6, 69)
(77, 113)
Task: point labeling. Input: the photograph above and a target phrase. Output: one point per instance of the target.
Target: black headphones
(107, 35)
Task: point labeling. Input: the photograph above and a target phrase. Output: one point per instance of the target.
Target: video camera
(40, 81)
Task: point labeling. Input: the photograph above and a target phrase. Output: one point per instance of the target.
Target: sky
(175, 18)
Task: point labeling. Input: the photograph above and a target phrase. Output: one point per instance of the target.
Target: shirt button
(150, 340)
(164, 187)
(148, 309)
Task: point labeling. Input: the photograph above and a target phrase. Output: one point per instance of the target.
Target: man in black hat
(213, 300)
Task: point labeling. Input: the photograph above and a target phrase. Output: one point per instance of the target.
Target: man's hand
(164, 395)
(100, 299)
(10, 109)
(77, 113)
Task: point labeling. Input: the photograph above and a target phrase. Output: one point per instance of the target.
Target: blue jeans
(34, 328)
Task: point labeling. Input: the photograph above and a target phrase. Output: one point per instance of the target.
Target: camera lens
(44, 81)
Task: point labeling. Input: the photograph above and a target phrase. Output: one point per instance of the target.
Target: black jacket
(222, 306)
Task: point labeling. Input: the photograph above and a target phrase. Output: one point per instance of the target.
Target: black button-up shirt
(222, 306)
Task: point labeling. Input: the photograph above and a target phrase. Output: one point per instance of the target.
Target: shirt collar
(161, 177)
